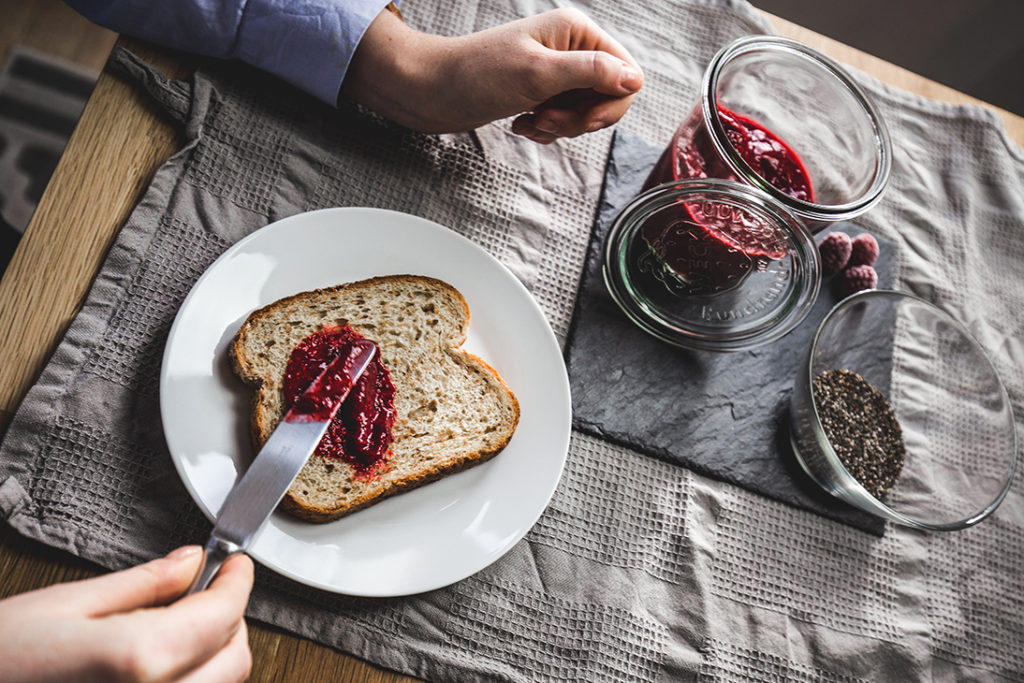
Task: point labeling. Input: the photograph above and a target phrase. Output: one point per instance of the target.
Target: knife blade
(254, 497)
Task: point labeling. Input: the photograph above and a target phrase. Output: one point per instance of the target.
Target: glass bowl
(954, 413)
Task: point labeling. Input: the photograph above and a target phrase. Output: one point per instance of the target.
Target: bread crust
(385, 309)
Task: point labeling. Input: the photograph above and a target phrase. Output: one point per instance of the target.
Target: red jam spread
(361, 432)
(711, 247)
(692, 154)
(326, 394)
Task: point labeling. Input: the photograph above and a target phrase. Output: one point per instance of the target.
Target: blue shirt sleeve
(308, 43)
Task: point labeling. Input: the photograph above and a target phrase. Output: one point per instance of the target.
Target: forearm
(389, 66)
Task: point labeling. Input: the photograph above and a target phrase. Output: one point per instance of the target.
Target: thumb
(595, 70)
(157, 582)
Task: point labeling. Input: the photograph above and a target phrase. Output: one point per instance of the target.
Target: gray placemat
(723, 415)
(639, 570)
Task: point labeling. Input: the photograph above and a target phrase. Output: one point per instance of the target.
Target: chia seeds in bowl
(949, 460)
(862, 428)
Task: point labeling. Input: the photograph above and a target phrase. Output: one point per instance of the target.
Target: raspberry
(864, 250)
(856, 278)
(835, 251)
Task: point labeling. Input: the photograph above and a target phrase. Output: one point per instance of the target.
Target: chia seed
(862, 428)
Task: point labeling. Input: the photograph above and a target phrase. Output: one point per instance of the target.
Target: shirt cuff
(308, 43)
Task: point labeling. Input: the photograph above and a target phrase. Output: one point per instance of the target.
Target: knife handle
(216, 552)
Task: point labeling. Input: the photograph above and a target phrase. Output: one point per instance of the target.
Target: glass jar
(782, 117)
(711, 265)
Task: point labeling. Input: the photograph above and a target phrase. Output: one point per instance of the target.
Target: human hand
(560, 71)
(125, 626)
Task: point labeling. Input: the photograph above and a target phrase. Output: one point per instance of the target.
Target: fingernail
(183, 552)
(541, 138)
(534, 134)
(545, 126)
(630, 79)
(595, 126)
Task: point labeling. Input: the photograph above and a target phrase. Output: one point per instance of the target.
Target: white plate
(417, 541)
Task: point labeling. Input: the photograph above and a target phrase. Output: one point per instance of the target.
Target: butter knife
(254, 497)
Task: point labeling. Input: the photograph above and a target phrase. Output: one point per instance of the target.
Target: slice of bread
(453, 410)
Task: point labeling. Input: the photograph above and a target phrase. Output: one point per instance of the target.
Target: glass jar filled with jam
(779, 116)
(711, 265)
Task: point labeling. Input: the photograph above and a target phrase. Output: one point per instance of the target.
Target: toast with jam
(423, 410)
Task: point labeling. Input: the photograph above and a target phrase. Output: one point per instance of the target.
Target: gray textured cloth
(639, 570)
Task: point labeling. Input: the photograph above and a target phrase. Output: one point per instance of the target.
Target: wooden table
(119, 143)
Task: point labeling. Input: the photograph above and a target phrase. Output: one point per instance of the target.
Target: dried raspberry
(835, 251)
(856, 278)
(864, 250)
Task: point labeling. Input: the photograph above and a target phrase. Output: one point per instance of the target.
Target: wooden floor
(52, 27)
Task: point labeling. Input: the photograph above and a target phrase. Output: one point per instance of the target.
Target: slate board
(724, 415)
